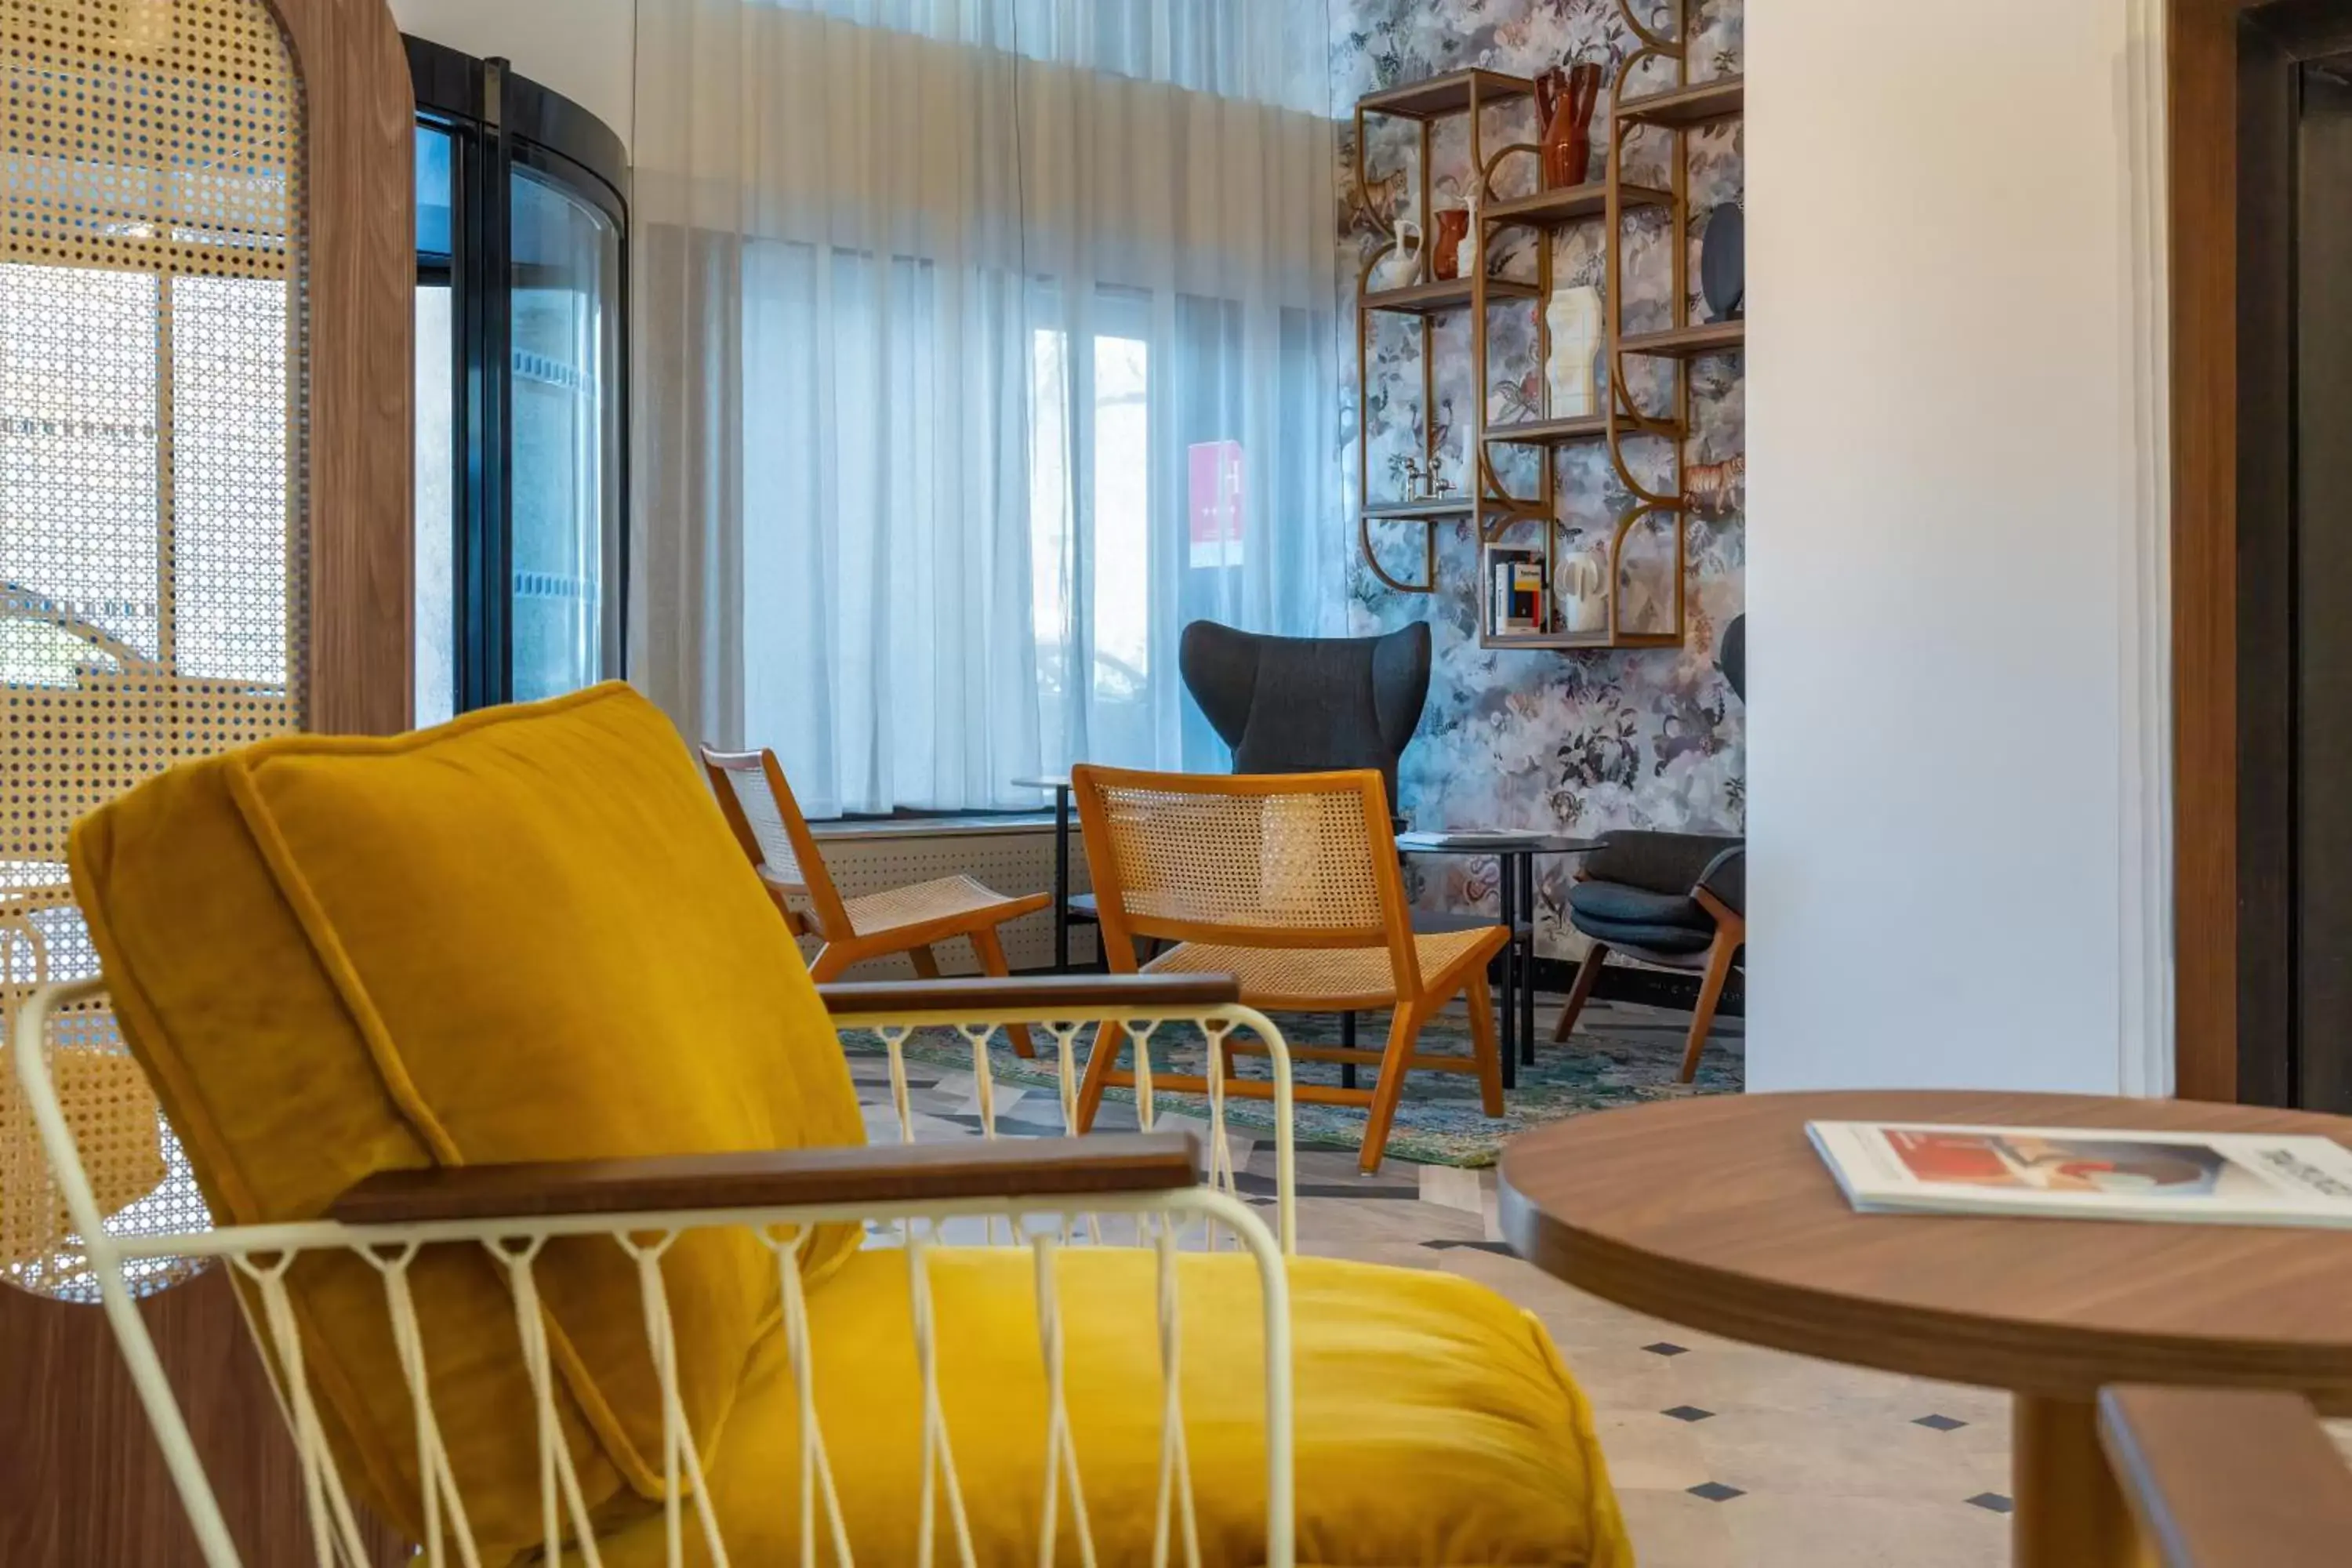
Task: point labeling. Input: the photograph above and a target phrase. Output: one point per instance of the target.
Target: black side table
(1514, 859)
(1060, 785)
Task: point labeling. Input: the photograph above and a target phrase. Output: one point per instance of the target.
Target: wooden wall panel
(361, 125)
(2201, 118)
(85, 1484)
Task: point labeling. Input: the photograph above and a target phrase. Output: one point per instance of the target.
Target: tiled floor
(1723, 1453)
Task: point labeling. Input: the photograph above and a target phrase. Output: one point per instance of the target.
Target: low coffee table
(1715, 1212)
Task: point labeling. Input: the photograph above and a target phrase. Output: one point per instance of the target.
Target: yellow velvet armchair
(533, 1151)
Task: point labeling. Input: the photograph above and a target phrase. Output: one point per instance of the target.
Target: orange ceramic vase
(1452, 228)
(1564, 104)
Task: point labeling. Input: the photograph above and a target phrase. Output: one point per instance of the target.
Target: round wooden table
(1716, 1213)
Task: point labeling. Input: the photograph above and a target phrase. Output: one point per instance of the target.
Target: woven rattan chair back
(768, 824)
(1288, 860)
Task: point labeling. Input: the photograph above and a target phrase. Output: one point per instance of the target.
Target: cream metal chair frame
(1219, 929)
(794, 870)
(1053, 1192)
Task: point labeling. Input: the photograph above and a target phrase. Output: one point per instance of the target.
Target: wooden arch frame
(85, 1484)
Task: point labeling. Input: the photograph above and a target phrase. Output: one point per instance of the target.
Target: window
(951, 310)
(1107, 472)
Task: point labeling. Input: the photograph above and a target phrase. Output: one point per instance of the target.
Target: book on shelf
(2080, 1172)
(1518, 601)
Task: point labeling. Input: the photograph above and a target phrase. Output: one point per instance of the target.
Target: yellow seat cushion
(1434, 1421)
(526, 936)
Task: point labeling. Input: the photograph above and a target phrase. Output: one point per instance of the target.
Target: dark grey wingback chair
(1295, 705)
(1674, 899)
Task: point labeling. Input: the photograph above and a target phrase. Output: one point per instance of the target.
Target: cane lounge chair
(768, 824)
(538, 1163)
(1290, 882)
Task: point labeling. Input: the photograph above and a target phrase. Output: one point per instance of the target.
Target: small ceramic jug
(1400, 268)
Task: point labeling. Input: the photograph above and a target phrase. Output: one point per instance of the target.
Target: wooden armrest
(982, 997)
(1101, 1165)
(2228, 1477)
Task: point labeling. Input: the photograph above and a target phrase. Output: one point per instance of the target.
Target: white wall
(1954, 550)
(582, 48)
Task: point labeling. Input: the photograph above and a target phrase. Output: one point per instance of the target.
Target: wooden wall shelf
(1420, 511)
(1442, 294)
(1689, 343)
(1574, 642)
(1441, 95)
(1550, 431)
(1498, 517)
(1570, 203)
(1725, 98)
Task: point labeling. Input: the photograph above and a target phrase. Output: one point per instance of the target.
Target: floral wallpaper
(1570, 742)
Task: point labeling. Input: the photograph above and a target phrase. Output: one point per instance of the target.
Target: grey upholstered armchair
(1291, 705)
(1679, 900)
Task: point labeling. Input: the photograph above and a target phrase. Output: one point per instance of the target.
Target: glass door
(566, 520)
(522, 229)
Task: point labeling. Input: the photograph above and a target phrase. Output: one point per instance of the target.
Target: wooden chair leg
(1404, 1028)
(992, 961)
(1481, 1000)
(1100, 1061)
(1728, 938)
(926, 961)
(828, 963)
(1587, 974)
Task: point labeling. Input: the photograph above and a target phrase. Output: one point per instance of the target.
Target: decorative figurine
(1580, 587)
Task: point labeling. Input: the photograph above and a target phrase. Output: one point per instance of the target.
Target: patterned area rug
(1621, 1055)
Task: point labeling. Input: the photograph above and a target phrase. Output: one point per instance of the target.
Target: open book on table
(2078, 1173)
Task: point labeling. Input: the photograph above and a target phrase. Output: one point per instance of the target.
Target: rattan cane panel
(152, 431)
(1319, 976)
(767, 820)
(151, 136)
(1292, 861)
(940, 899)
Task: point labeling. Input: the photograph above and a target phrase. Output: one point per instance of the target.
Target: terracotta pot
(1452, 228)
(1564, 104)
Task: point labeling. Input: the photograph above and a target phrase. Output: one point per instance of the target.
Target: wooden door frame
(359, 124)
(2231, 920)
(2202, 179)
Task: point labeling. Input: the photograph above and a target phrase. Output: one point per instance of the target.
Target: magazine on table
(2081, 1173)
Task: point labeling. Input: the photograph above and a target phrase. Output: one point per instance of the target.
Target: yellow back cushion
(525, 935)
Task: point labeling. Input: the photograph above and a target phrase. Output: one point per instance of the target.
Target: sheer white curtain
(983, 344)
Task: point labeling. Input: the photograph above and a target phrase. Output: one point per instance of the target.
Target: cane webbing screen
(1299, 860)
(152, 478)
(766, 816)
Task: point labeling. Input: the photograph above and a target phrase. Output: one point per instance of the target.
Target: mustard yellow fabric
(526, 936)
(1435, 1422)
